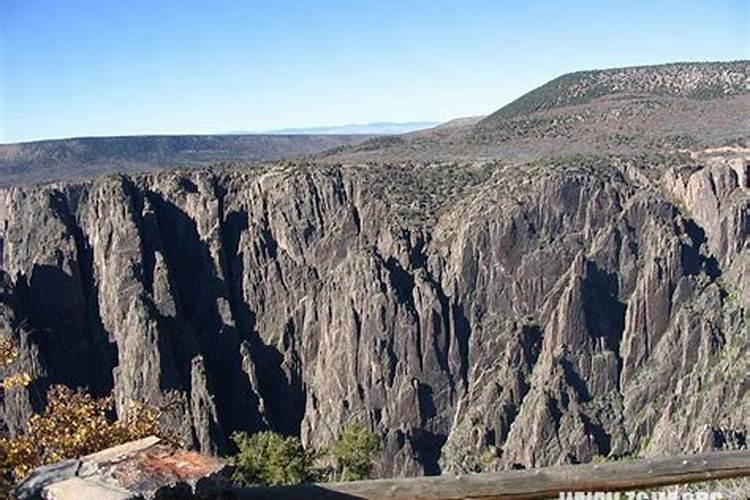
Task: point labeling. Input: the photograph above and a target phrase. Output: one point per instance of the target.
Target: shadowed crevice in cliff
(233, 225)
(280, 381)
(105, 352)
(355, 218)
(417, 250)
(176, 341)
(602, 440)
(101, 352)
(557, 408)
(190, 265)
(199, 290)
(49, 301)
(573, 379)
(427, 446)
(427, 409)
(603, 310)
(176, 349)
(604, 319)
(462, 330)
(441, 327)
(531, 344)
(693, 260)
(401, 281)
(283, 395)
(30, 344)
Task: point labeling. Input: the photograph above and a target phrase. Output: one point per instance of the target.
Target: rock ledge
(143, 469)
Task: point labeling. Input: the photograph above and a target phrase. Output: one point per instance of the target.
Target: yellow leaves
(8, 358)
(16, 380)
(16, 455)
(75, 424)
(20, 455)
(8, 352)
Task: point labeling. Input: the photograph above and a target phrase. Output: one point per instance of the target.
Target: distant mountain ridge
(86, 157)
(381, 128)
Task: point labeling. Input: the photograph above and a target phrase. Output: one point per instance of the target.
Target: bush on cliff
(353, 453)
(269, 459)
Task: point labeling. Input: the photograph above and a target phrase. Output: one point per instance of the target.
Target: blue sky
(79, 67)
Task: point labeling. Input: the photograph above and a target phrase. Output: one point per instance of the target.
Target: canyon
(564, 280)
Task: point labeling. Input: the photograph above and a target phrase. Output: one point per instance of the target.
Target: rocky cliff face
(544, 313)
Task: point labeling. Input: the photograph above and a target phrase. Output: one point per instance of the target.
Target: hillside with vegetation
(627, 111)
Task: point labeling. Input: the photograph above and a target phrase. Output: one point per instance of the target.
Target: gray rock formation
(550, 315)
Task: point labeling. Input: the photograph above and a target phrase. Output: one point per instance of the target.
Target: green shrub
(353, 453)
(269, 459)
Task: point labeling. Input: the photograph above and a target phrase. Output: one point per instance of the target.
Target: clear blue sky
(106, 67)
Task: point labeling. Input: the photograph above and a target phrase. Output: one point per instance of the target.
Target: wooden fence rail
(547, 482)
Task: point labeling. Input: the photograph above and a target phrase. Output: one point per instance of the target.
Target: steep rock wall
(548, 315)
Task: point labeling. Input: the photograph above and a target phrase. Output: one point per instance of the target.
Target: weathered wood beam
(546, 482)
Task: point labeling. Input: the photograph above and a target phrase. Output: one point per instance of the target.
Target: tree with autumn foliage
(73, 424)
(8, 356)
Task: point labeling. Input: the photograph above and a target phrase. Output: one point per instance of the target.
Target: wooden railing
(547, 482)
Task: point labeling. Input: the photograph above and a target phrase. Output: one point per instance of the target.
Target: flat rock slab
(82, 489)
(147, 468)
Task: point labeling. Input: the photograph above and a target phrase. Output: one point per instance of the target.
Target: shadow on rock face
(53, 302)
